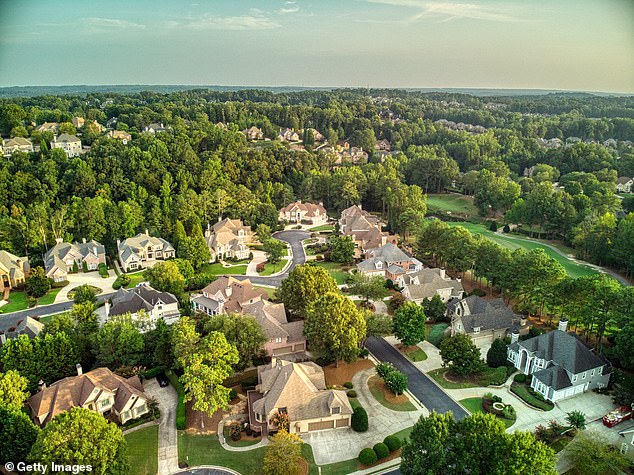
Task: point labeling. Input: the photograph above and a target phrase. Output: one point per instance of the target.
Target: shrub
(103, 270)
(492, 397)
(84, 267)
(359, 420)
(199, 281)
(396, 382)
(58, 285)
(381, 450)
(393, 443)
(383, 369)
(32, 301)
(351, 393)
(348, 385)
(520, 378)
(367, 457)
(235, 432)
(121, 281)
(493, 226)
(260, 267)
(509, 412)
(233, 394)
(479, 292)
(75, 267)
(153, 372)
(506, 229)
(363, 353)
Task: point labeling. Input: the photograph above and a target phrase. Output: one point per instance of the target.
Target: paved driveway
(425, 390)
(90, 278)
(167, 437)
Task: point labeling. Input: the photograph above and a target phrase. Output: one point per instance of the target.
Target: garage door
(283, 350)
(320, 425)
(343, 422)
(300, 347)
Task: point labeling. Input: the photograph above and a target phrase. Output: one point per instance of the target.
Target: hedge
(381, 450)
(58, 285)
(351, 393)
(367, 457)
(393, 442)
(520, 378)
(121, 281)
(359, 420)
(153, 372)
(181, 419)
(383, 369)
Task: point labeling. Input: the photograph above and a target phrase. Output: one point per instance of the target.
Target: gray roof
(206, 302)
(14, 325)
(485, 314)
(66, 138)
(562, 349)
(554, 377)
(57, 254)
(390, 252)
(138, 298)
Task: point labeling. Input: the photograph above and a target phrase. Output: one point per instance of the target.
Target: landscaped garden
(135, 279)
(414, 353)
(270, 269)
(522, 390)
(96, 290)
(387, 398)
(487, 377)
(236, 437)
(143, 451)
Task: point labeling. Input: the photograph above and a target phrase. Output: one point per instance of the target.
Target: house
(228, 238)
(363, 228)
(12, 326)
(143, 298)
(19, 144)
(389, 261)
(624, 184)
(426, 283)
(306, 213)
(383, 144)
(154, 128)
(13, 271)
(283, 337)
(97, 126)
(288, 135)
(60, 260)
(120, 135)
(99, 390)
(142, 250)
(317, 136)
(482, 320)
(560, 364)
(52, 127)
(70, 144)
(299, 391)
(253, 133)
(78, 122)
(227, 295)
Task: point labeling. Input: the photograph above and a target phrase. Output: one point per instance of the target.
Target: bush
(506, 229)
(359, 420)
(393, 443)
(479, 292)
(493, 226)
(383, 369)
(363, 353)
(233, 394)
(58, 285)
(351, 393)
(520, 378)
(348, 385)
(153, 372)
(103, 270)
(121, 281)
(260, 267)
(32, 301)
(381, 450)
(75, 267)
(367, 457)
(235, 432)
(199, 281)
(396, 382)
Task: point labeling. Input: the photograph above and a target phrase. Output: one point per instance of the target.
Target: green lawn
(417, 355)
(143, 451)
(135, 278)
(379, 395)
(452, 202)
(206, 450)
(522, 391)
(336, 270)
(474, 404)
(485, 378)
(572, 268)
(435, 333)
(218, 269)
(323, 227)
(19, 300)
(273, 268)
(269, 291)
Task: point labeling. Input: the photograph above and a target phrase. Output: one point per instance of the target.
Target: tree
(82, 437)
(409, 323)
(37, 284)
(274, 249)
(370, 287)
(593, 454)
(242, 331)
(496, 356)
(341, 249)
(396, 382)
(196, 249)
(304, 285)
(166, 277)
(84, 293)
(119, 343)
(207, 361)
(335, 327)
(460, 355)
(17, 434)
(185, 268)
(435, 309)
(377, 324)
(477, 444)
(282, 455)
(263, 232)
(13, 394)
(576, 419)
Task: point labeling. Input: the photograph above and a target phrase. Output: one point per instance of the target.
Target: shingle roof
(8, 264)
(272, 319)
(311, 209)
(554, 377)
(14, 325)
(485, 314)
(138, 298)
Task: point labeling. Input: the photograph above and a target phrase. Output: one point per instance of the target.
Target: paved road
(51, 309)
(425, 390)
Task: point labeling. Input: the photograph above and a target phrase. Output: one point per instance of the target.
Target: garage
(321, 425)
(343, 423)
(282, 351)
(300, 347)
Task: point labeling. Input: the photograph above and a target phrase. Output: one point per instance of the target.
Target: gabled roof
(554, 377)
(9, 264)
(623, 180)
(66, 138)
(132, 245)
(139, 298)
(235, 293)
(311, 209)
(14, 325)
(17, 142)
(429, 282)
(272, 319)
(56, 256)
(485, 314)
(389, 253)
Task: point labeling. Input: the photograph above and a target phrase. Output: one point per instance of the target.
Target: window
(105, 402)
(278, 339)
(583, 376)
(574, 378)
(476, 329)
(591, 373)
(335, 410)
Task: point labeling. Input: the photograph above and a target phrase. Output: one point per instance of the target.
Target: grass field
(269, 291)
(336, 270)
(457, 204)
(417, 355)
(143, 451)
(19, 300)
(323, 227)
(135, 278)
(485, 378)
(273, 268)
(572, 268)
(218, 269)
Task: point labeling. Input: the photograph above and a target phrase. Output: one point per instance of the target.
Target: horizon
(571, 46)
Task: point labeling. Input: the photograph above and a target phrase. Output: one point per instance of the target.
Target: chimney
(83, 240)
(20, 264)
(515, 335)
(147, 232)
(523, 321)
(59, 240)
(80, 371)
(273, 361)
(118, 243)
(41, 385)
(442, 274)
(563, 324)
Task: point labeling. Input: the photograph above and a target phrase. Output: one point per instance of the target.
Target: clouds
(447, 11)
(237, 23)
(98, 23)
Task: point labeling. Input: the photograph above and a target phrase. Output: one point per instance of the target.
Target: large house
(62, 258)
(19, 144)
(154, 128)
(389, 261)
(52, 127)
(426, 283)
(143, 298)
(227, 295)
(142, 250)
(13, 270)
(299, 391)
(120, 135)
(78, 122)
(99, 390)
(283, 337)
(253, 133)
(624, 184)
(70, 144)
(561, 366)
(228, 238)
(363, 228)
(308, 213)
(288, 135)
(482, 320)
(12, 326)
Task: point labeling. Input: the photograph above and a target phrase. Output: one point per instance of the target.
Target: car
(162, 379)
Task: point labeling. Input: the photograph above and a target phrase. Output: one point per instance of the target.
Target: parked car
(162, 379)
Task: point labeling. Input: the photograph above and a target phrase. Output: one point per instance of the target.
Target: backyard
(143, 451)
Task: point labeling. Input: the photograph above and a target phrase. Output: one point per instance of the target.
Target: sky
(585, 45)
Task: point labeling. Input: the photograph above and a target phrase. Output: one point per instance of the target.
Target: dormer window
(476, 329)
(335, 410)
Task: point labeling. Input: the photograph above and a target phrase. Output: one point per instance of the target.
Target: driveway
(422, 387)
(90, 278)
(167, 437)
(331, 446)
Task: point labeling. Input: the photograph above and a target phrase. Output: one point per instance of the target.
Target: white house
(70, 144)
(624, 184)
(143, 298)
